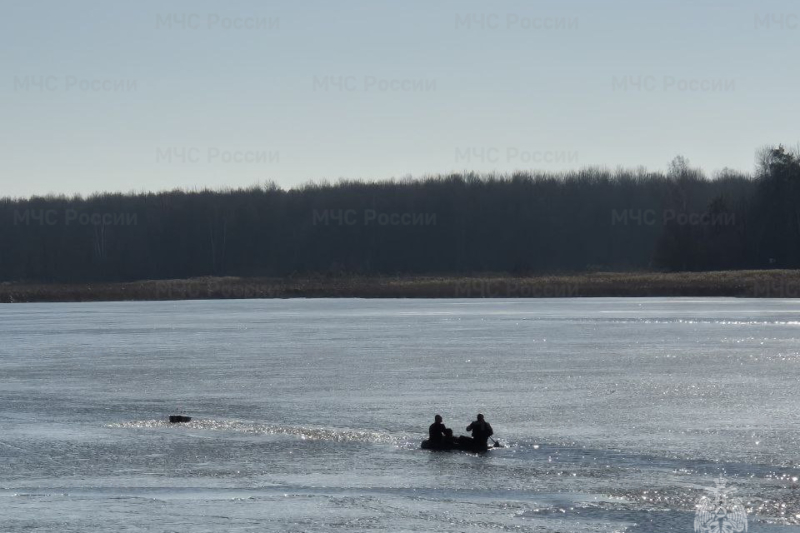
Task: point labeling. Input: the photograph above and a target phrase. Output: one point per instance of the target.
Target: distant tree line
(525, 223)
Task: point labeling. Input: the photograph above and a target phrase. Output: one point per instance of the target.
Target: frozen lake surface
(308, 414)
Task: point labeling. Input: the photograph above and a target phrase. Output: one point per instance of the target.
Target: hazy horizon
(157, 96)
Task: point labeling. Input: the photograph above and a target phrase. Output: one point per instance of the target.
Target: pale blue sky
(470, 87)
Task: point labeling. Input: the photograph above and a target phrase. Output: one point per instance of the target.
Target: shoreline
(738, 283)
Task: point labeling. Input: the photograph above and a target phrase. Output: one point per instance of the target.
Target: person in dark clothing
(481, 431)
(437, 431)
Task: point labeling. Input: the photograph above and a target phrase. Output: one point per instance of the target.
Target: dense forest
(525, 223)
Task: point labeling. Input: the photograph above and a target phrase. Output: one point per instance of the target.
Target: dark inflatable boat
(464, 444)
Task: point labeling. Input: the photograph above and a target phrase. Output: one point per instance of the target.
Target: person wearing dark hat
(481, 431)
(437, 431)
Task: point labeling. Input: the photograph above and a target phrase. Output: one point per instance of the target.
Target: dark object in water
(174, 419)
(465, 444)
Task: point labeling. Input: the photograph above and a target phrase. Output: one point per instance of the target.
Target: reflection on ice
(329, 434)
(309, 414)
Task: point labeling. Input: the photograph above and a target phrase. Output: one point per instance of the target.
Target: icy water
(616, 413)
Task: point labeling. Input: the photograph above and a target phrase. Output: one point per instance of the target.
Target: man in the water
(481, 431)
(437, 432)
